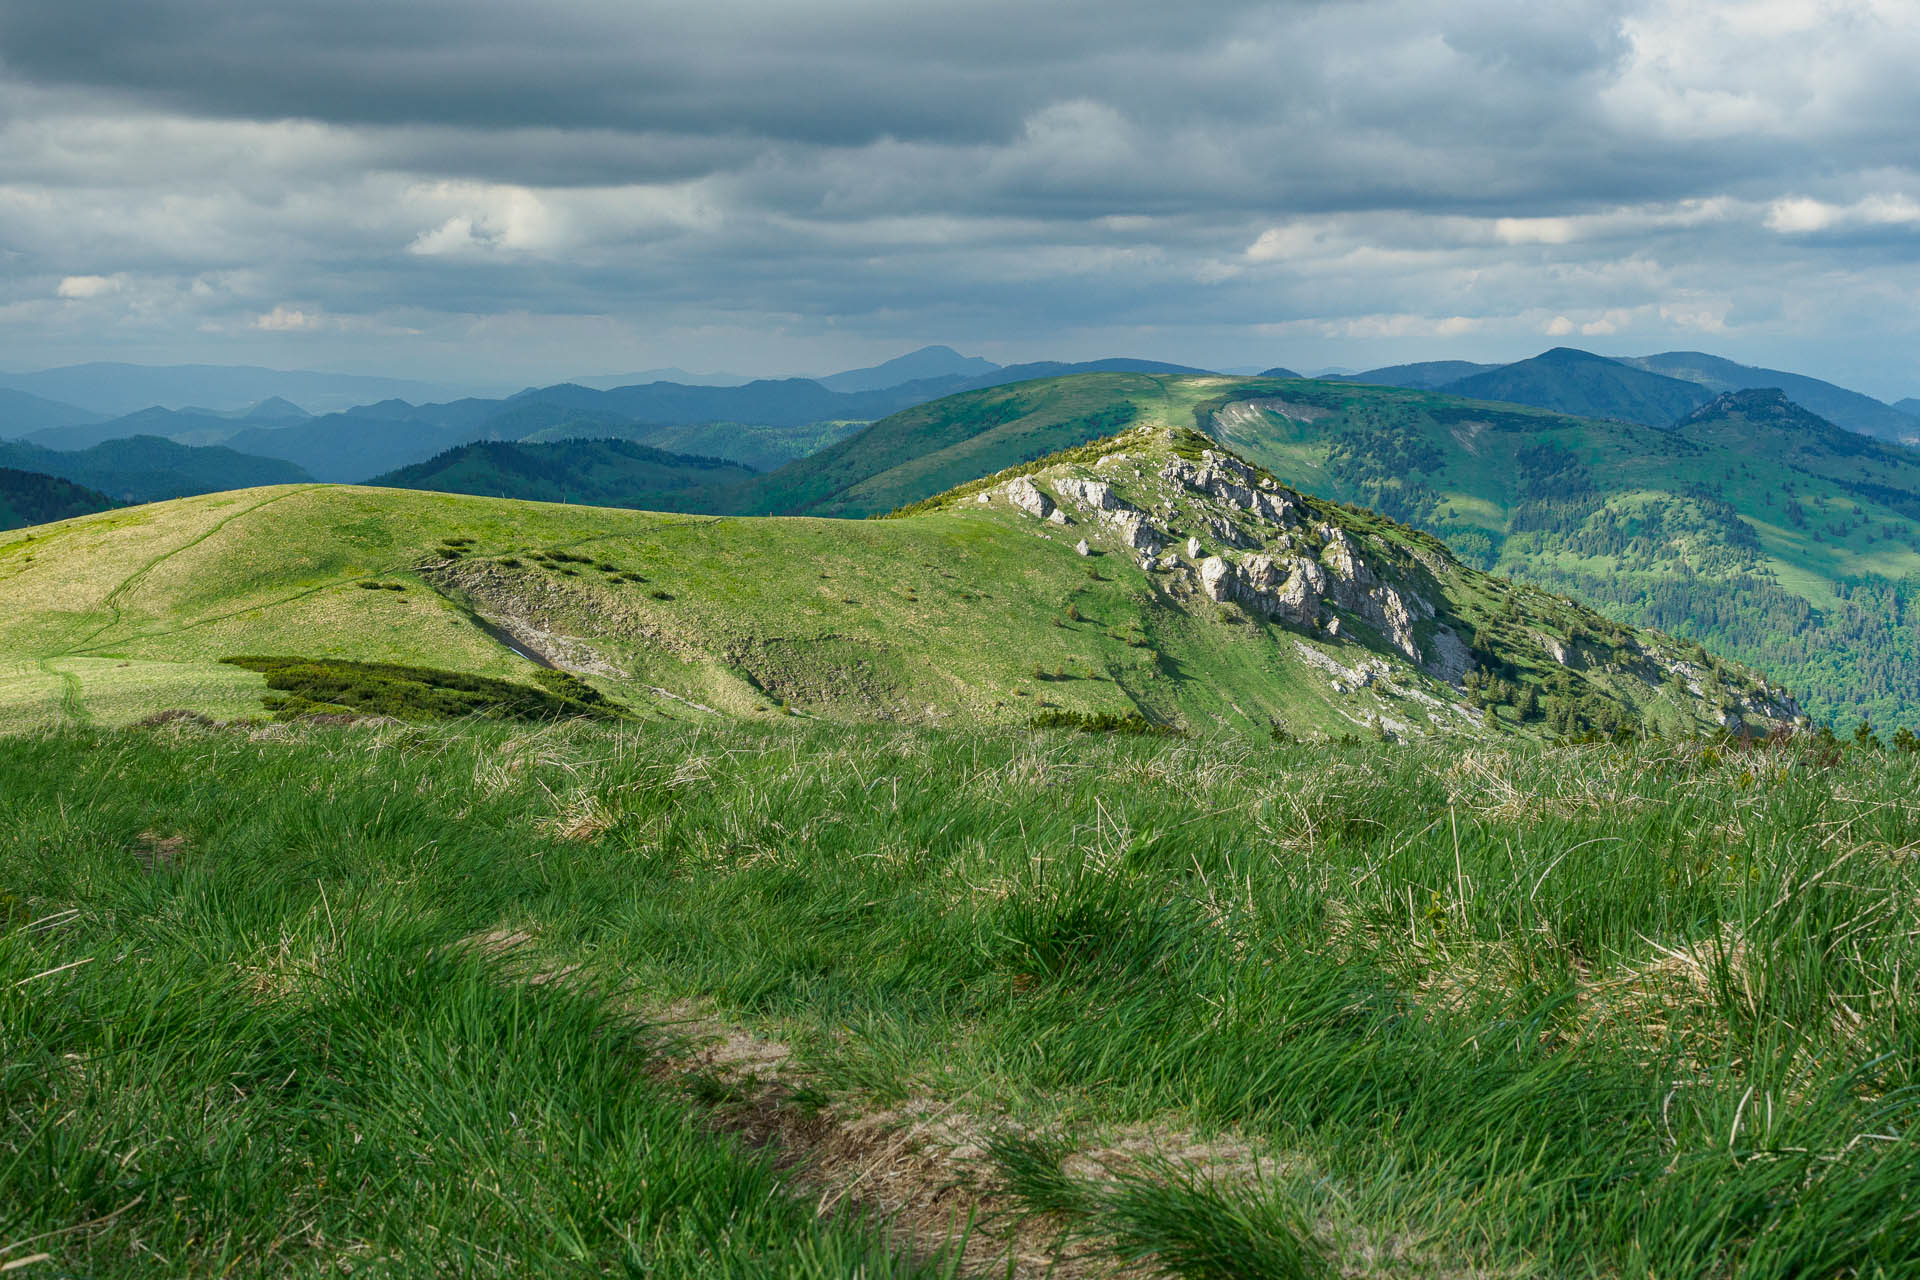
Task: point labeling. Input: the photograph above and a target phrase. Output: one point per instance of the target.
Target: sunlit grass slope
(399, 1000)
(945, 616)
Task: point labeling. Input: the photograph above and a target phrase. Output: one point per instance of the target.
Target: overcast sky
(525, 191)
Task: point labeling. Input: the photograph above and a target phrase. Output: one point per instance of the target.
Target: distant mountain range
(1654, 391)
(762, 424)
(767, 424)
(22, 411)
(1588, 386)
(108, 389)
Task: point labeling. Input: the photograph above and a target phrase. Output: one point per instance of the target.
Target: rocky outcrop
(1134, 530)
(1026, 496)
(1231, 481)
(1094, 495)
(1288, 590)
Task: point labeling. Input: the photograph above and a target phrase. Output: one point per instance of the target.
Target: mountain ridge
(1149, 574)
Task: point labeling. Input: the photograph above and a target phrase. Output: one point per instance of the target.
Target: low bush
(333, 686)
(1131, 723)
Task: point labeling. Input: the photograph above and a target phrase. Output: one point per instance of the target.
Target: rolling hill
(30, 498)
(150, 469)
(600, 473)
(1580, 383)
(1147, 579)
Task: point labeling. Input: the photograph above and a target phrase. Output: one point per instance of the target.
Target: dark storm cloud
(775, 183)
(827, 73)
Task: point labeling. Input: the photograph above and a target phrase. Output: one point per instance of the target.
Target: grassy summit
(1149, 576)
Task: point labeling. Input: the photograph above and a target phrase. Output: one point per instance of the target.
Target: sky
(522, 192)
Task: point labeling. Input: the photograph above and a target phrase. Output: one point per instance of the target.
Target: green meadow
(794, 999)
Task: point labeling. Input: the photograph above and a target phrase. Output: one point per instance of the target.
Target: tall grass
(1616, 1011)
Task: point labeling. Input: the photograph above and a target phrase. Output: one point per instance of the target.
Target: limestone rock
(1095, 495)
(1193, 548)
(1081, 548)
(1026, 496)
(1134, 531)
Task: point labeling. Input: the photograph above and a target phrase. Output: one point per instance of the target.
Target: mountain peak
(1571, 355)
(915, 366)
(276, 408)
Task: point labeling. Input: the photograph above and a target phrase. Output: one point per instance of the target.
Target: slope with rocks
(1148, 580)
(1776, 538)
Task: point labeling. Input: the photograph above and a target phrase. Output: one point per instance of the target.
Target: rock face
(1297, 588)
(1026, 496)
(1095, 495)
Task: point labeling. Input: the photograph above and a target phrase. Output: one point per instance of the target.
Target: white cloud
(491, 219)
(1559, 327)
(1799, 215)
(285, 319)
(89, 286)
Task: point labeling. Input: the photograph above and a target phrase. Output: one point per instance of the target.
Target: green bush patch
(1131, 723)
(333, 686)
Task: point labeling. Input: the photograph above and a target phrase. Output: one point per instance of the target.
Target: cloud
(285, 319)
(88, 286)
(762, 184)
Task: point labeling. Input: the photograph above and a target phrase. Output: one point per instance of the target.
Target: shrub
(333, 686)
(1130, 723)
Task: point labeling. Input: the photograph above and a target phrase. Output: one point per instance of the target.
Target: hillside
(30, 498)
(601, 473)
(928, 448)
(1837, 405)
(1205, 596)
(1575, 382)
(149, 469)
(1824, 607)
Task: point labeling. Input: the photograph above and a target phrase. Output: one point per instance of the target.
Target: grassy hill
(1577, 382)
(752, 445)
(600, 473)
(1692, 531)
(1280, 610)
(150, 469)
(29, 498)
(932, 447)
